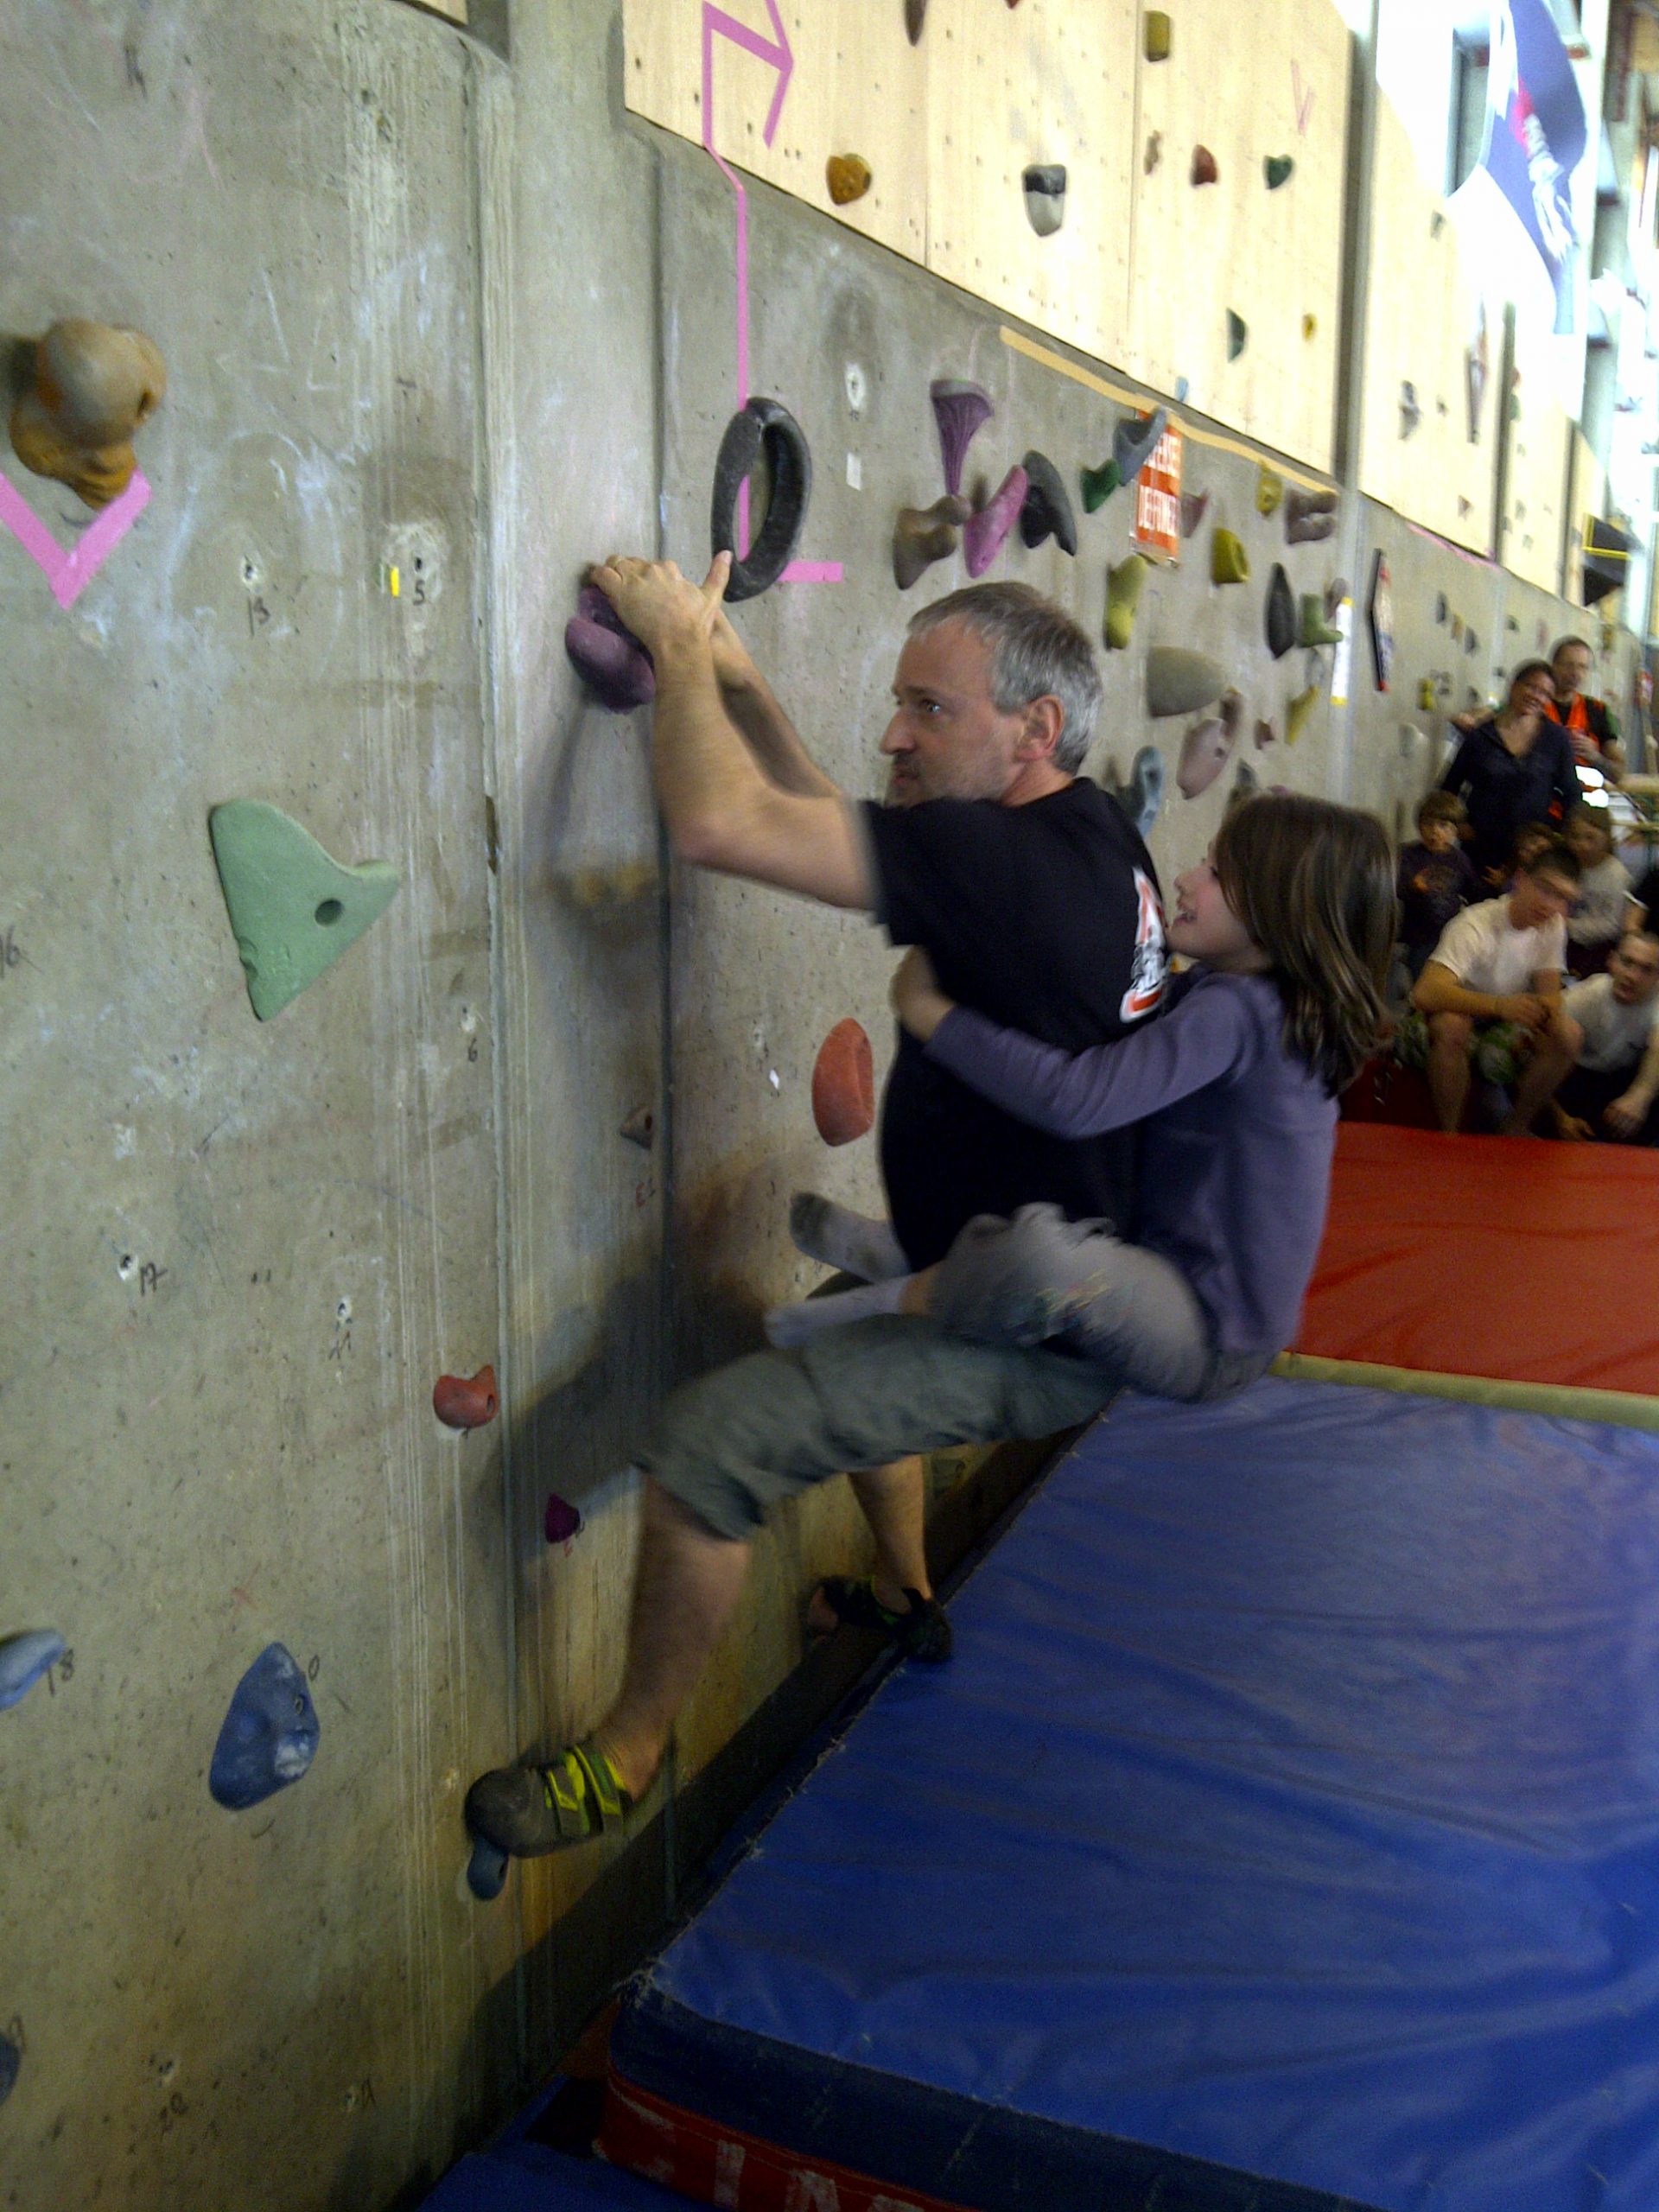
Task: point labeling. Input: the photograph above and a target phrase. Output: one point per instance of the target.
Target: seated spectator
(1606, 907)
(1435, 879)
(1491, 993)
(1514, 766)
(1530, 841)
(1591, 730)
(1609, 1094)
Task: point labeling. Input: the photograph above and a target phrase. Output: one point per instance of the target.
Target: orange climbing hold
(843, 1085)
(466, 1401)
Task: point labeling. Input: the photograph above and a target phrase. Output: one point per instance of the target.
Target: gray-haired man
(1040, 906)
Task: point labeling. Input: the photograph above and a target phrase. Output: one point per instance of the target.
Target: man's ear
(1044, 719)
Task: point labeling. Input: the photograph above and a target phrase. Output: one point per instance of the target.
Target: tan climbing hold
(89, 386)
(923, 534)
(1156, 35)
(1204, 171)
(848, 178)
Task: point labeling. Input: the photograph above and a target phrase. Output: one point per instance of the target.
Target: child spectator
(1530, 840)
(1606, 905)
(1610, 1093)
(1491, 992)
(1435, 878)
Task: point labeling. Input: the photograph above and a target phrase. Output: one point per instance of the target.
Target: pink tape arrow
(716, 23)
(70, 570)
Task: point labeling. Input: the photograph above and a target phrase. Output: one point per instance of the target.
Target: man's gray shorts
(732, 1444)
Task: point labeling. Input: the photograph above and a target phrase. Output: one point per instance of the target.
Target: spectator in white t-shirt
(1609, 1094)
(1491, 992)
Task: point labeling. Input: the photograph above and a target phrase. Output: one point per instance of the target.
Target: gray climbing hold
(269, 1735)
(760, 426)
(1048, 512)
(1282, 614)
(1136, 440)
(24, 1659)
(487, 1871)
(1045, 189)
(1143, 794)
(1179, 681)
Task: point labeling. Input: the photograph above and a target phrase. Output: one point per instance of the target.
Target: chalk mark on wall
(69, 570)
(778, 55)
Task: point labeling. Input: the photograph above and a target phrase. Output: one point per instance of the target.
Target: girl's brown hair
(1313, 884)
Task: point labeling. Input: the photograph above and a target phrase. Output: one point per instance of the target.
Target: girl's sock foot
(857, 1243)
(788, 1325)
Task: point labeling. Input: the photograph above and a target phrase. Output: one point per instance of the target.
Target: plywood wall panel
(1535, 505)
(857, 86)
(1050, 85)
(1273, 258)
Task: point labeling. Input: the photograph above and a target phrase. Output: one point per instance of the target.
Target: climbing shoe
(527, 1811)
(921, 1632)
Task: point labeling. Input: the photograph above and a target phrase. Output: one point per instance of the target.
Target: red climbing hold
(463, 1401)
(843, 1085)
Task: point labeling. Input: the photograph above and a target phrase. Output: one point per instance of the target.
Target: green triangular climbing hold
(293, 910)
(1122, 596)
(1278, 168)
(1237, 332)
(1229, 563)
(1098, 485)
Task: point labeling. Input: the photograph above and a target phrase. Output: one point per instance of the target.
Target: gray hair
(1037, 652)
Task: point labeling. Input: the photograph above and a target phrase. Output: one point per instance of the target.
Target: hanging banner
(1535, 136)
(1155, 527)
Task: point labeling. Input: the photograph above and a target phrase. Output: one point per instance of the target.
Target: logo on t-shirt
(1146, 962)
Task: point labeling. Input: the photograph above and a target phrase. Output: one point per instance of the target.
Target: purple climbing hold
(1205, 750)
(608, 657)
(960, 410)
(271, 1732)
(982, 533)
(561, 1521)
(10, 2059)
(24, 1659)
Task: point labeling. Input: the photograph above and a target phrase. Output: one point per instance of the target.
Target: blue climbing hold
(1182, 387)
(10, 2059)
(24, 1659)
(487, 1871)
(270, 1731)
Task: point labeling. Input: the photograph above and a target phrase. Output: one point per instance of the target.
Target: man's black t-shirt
(1046, 916)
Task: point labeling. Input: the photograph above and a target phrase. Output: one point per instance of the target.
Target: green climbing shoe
(527, 1811)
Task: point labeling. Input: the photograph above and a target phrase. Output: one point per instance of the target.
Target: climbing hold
(1204, 165)
(486, 1870)
(1309, 516)
(843, 1085)
(1277, 169)
(1410, 412)
(1098, 485)
(641, 1128)
(269, 1735)
(1282, 614)
(1154, 153)
(1229, 563)
(1471, 642)
(1269, 489)
(606, 656)
(1047, 511)
(560, 1520)
(1205, 750)
(1122, 596)
(1313, 629)
(11, 2060)
(1265, 734)
(87, 387)
(1230, 708)
(1475, 363)
(1155, 34)
(1457, 625)
(1043, 183)
(1194, 506)
(848, 178)
(1297, 712)
(1136, 440)
(24, 1659)
(1441, 607)
(1182, 388)
(1427, 696)
(983, 532)
(466, 1400)
(293, 910)
(1335, 592)
(761, 426)
(915, 16)
(1237, 332)
(959, 409)
(923, 534)
(1310, 324)
(1179, 681)
(1142, 796)
(1246, 784)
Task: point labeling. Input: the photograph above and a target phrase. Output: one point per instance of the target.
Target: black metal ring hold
(762, 425)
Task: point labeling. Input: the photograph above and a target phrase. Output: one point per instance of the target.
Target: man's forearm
(702, 770)
(1441, 993)
(773, 738)
(1646, 1085)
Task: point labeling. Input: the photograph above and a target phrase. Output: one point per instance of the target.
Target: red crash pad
(1509, 1257)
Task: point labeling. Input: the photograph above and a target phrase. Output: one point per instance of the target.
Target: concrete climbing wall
(430, 310)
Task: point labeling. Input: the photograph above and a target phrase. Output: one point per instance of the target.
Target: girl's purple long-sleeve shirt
(1235, 1150)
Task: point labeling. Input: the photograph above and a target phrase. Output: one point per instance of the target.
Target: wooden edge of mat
(1564, 1401)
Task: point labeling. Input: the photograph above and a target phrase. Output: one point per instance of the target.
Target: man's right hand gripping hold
(1039, 908)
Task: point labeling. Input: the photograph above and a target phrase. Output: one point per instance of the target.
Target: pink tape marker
(777, 52)
(69, 570)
